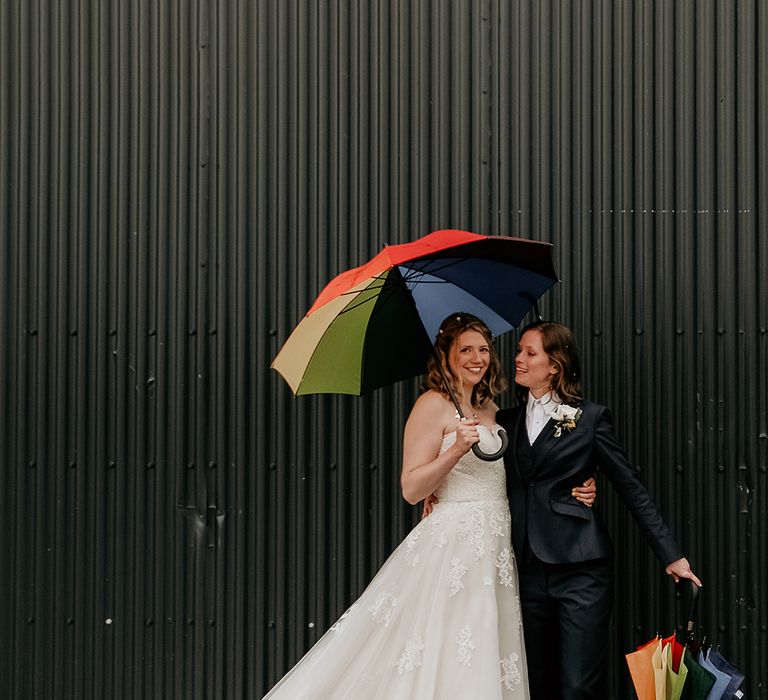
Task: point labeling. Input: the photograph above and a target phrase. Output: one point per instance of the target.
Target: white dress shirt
(537, 413)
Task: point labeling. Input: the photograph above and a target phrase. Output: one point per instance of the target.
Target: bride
(441, 618)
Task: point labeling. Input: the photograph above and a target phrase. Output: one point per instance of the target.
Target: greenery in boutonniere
(565, 418)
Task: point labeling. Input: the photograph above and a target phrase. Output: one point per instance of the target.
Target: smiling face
(533, 367)
(469, 358)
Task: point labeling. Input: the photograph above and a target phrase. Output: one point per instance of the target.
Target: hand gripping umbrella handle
(475, 448)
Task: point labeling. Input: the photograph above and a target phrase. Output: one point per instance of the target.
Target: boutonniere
(565, 418)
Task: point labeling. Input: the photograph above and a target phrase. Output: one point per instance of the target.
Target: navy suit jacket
(560, 530)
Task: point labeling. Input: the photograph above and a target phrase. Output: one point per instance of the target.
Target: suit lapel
(541, 446)
(543, 443)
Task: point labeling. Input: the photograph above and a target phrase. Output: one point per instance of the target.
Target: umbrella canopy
(700, 681)
(641, 669)
(675, 679)
(375, 324)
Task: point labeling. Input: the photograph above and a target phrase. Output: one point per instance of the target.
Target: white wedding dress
(441, 618)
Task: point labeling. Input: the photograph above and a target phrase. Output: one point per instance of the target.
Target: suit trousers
(566, 614)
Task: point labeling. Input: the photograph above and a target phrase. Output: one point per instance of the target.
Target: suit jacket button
(531, 483)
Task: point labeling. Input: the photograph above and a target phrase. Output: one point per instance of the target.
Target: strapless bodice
(473, 479)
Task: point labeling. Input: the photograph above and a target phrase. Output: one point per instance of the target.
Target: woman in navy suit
(564, 554)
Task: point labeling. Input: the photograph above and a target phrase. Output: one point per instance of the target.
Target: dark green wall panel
(178, 180)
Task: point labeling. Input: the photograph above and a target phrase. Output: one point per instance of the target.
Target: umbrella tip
(534, 304)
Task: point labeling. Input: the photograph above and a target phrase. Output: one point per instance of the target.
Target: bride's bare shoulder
(433, 402)
(432, 407)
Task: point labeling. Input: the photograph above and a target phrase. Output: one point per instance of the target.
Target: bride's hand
(429, 502)
(466, 434)
(586, 493)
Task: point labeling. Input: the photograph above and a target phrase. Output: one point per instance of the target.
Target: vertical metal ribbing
(261, 422)
(455, 157)
(226, 328)
(82, 367)
(759, 438)
(180, 180)
(744, 419)
(66, 382)
(483, 95)
(684, 274)
(525, 68)
(277, 251)
(201, 677)
(35, 270)
(10, 614)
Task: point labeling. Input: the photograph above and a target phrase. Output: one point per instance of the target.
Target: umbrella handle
(691, 623)
(475, 448)
(494, 456)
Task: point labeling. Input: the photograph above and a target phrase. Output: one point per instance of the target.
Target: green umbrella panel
(369, 337)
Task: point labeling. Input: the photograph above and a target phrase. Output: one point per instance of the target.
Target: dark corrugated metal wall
(180, 179)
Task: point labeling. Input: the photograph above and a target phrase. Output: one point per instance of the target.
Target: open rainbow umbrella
(375, 324)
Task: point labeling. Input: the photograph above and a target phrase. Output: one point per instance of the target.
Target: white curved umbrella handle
(495, 455)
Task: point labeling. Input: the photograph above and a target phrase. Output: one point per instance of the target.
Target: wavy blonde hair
(493, 382)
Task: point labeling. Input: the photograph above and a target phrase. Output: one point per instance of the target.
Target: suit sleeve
(613, 461)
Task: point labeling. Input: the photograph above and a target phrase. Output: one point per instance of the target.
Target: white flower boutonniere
(565, 418)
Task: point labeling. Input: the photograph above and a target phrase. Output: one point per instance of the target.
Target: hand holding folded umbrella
(666, 669)
(682, 569)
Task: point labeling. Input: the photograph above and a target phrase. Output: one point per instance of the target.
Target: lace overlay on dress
(511, 672)
(382, 609)
(441, 618)
(464, 642)
(411, 657)
(473, 479)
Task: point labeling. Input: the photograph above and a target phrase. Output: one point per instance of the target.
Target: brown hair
(493, 382)
(560, 345)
